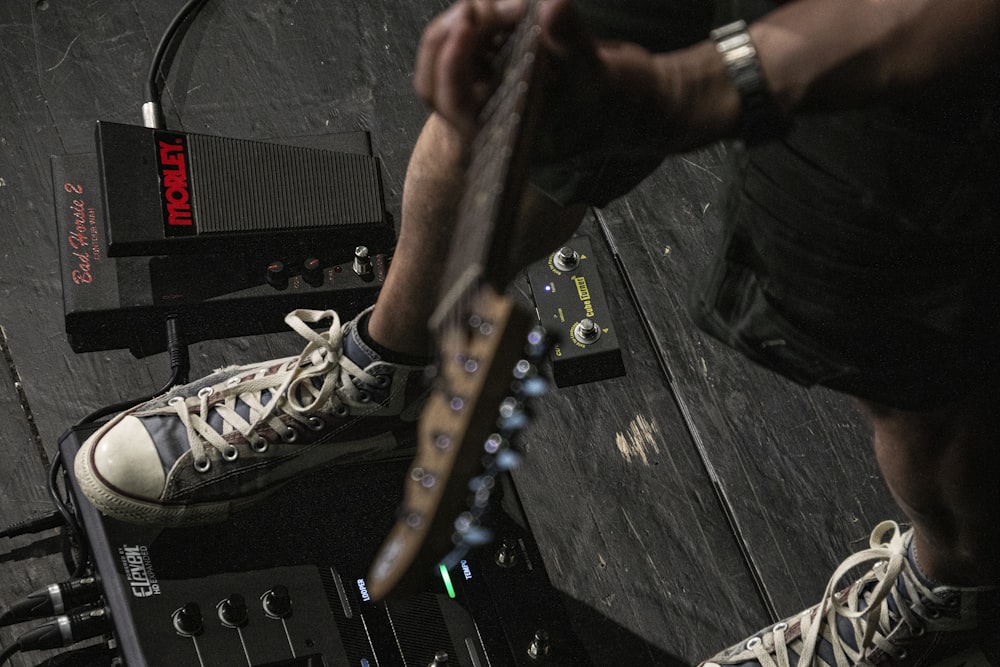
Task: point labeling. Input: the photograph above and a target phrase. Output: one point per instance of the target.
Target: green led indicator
(446, 578)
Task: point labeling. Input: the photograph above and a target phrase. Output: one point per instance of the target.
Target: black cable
(53, 600)
(74, 531)
(35, 524)
(153, 91)
(177, 353)
(66, 630)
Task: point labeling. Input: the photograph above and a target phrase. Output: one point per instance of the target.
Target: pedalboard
(571, 303)
(244, 287)
(281, 584)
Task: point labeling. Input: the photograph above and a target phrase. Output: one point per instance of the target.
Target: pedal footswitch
(571, 303)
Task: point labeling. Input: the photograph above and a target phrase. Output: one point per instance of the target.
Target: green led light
(446, 578)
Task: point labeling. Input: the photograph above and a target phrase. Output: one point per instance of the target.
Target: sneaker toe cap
(126, 459)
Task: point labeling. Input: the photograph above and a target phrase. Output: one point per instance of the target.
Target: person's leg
(432, 192)
(943, 468)
(933, 596)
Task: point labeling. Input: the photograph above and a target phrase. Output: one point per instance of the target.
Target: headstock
(464, 440)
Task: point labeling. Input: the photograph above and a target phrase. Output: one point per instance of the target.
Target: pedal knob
(440, 660)
(276, 275)
(587, 331)
(233, 611)
(540, 646)
(506, 554)
(277, 602)
(312, 271)
(188, 620)
(362, 261)
(566, 259)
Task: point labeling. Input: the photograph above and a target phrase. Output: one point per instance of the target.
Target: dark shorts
(862, 251)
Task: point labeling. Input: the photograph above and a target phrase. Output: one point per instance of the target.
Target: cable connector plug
(66, 630)
(34, 525)
(152, 115)
(53, 599)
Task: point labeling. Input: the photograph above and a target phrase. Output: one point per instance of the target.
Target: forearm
(819, 54)
(830, 54)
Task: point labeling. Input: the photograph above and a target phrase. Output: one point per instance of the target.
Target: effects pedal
(167, 192)
(571, 303)
(282, 584)
(124, 302)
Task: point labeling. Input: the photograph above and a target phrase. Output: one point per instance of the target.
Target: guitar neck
(496, 176)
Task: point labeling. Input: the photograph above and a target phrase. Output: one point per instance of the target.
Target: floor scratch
(65, 54)
(22, 397)
(640, 441)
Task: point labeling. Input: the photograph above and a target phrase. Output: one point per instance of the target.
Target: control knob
(277, 602)
(188, 620)
(233, 611)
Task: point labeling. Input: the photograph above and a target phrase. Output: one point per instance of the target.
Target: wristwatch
(760, 119)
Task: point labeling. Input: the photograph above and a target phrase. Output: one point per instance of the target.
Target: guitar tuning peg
(512, 415)
(477, 536)
(493, 443)
(533, 387)
(523, 369)
(481, 481)
(481, 498)
(539, 343)
(513, 422)
(508, 459)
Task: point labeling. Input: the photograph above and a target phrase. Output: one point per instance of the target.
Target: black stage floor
(680, 507)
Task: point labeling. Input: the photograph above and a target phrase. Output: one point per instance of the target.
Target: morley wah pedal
(169, 192)
(123, 302)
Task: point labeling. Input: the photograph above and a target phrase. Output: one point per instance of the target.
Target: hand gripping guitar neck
(486, 346)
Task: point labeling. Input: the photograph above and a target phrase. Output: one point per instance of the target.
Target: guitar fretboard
(495, 176)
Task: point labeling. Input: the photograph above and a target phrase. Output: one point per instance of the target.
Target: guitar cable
(152, 110)
(52, 600)
(64, 630)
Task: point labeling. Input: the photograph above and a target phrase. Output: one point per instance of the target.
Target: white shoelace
(320, 378)
(820, 622)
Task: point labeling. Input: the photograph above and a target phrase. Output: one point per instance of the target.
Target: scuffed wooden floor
(687, 503)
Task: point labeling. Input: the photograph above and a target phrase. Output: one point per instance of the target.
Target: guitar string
(500, 120)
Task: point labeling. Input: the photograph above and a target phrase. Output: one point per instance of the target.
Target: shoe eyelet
(364, 396)
(230, 453)
(259, 447)
(315, 423)
(753, 643)
(176, 400)
(233, 381)
(341, 410)
(779, 627)
(203, 465)
(289, 434)
(204, 392)
(382, 381)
